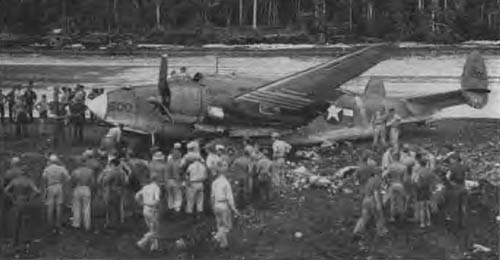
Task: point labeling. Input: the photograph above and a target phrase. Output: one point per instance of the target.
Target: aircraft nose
(98, 106)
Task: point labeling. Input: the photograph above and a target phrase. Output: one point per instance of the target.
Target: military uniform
(379, 129)
(371, 207)
(113, 182)
(150, 195)
(222, 203)
(21, 190)
(457, 194)
(425, 180)
(394, 124)
(55, 177)
(83, 178)
(173, 183)
(263, 176)
(196, 175)
(241, 178)
(280, 150)
(396, 193)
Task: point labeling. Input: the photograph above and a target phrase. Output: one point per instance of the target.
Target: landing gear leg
(153, 141)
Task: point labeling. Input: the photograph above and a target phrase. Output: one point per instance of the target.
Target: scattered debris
(481, 248)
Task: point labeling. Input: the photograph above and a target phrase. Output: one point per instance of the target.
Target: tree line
(327, 20)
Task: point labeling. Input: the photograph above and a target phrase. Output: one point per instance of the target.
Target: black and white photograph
(250, 129)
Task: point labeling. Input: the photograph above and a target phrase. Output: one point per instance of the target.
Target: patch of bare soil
(325, 220)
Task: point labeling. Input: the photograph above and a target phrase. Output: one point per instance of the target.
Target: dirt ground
(326, 220)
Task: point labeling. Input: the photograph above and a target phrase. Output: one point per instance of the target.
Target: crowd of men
(405, 181)
(189, 181)
(67, 106)
(410, 182)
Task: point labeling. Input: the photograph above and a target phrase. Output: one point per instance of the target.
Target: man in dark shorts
(371, 207)
(457, 194)
(30, 98)
(397, 192)
(21, 190)
(367, 168)
(425, 181)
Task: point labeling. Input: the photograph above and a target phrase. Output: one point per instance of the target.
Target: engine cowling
(188, 103)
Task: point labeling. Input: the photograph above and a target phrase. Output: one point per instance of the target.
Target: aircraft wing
(304, 88)
(438, 101)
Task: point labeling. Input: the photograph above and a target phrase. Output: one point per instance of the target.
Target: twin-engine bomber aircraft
(180, 109)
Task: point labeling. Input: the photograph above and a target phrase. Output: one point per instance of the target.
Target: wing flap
(438, 101)
(315, 84)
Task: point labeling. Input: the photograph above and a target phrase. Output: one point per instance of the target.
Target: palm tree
(115, 14)
(254, 24)
(158, 13)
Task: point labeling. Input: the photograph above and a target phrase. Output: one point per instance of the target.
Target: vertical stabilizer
(375, 87)
(475, 81)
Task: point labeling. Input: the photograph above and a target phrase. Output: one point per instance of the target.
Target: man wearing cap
(13, 172)
(21, 117)
(54, 176)
(91, 162)
(149, 197)
(83, 181)
(387, 158)
(249, 146)
(263, 176)
(193, 154)
(396, 175)
(212, 159)
(379, 128)
(241, 177)
(196, 174)
(424, 181)
(394, 122)
(222, 203)
(173, 179)
(367, 168)
(457, 194)
(280, 151)
(21, 191)
(30, 97)
(157, 166)
(113, 182)
(113, 137)
(407, 157)
(224, 153)
(371, 207)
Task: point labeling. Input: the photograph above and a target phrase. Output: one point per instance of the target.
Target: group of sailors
(383, 123)
(21, 105)
(408, 185)
(67, 105)
(221, 182)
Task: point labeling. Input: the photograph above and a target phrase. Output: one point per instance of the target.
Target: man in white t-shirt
(149, 198)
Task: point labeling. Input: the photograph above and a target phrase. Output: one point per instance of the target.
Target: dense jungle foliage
(244, 21)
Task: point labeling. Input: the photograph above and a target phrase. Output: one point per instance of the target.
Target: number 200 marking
(120, 107)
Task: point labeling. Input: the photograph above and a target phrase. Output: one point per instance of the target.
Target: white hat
(275, 135)
(192, 145)
(158, 156)
(15, 160)
(88, 153)
(219, 147)
(53, 158)
(177, 146)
